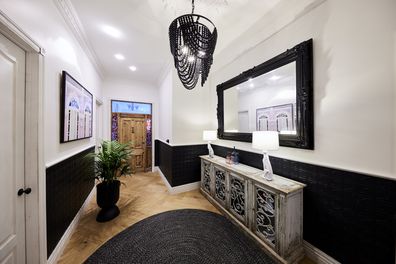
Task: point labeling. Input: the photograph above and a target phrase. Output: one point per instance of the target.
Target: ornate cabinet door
(237, 198)
(220, 185)
(206, 180)
(265, 215)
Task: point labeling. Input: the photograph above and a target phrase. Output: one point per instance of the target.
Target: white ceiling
(144, 27)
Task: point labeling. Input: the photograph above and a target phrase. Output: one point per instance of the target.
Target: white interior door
(12, 114)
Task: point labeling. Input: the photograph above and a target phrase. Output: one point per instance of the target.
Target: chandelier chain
(193, 7)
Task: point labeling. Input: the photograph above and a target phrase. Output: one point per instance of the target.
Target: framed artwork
(275, 118)
(76, 110)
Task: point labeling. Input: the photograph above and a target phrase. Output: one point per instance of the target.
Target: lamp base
(210, 149)
(268, 174)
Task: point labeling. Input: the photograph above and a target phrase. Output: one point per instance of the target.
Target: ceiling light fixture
(111, 31)
(132, 68)
(119, 56)
(275, 77)
(192, 44)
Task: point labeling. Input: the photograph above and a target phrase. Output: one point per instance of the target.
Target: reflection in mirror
(264, 103)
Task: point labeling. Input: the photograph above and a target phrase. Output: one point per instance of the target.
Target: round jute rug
(181, 236)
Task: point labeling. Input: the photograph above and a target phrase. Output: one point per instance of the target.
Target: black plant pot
(107, 195)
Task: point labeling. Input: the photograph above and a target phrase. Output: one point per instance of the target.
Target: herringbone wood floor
(142, 195)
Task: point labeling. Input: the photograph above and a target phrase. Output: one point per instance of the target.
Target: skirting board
(55, 255)
(178, 189)
(318, 256)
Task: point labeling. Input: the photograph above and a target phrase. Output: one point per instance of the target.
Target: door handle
(22, 191)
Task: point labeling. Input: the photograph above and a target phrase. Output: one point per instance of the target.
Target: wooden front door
(133, 130)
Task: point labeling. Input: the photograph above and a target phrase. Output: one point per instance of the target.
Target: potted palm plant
(110, 163)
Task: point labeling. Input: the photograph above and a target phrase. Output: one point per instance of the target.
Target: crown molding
(70, 16)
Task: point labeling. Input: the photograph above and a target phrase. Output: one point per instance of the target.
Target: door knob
(22, 191)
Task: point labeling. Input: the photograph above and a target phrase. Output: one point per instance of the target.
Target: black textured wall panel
(163, 159)
(349, 216)
(187, 164)
(179, 164)
(68, 184)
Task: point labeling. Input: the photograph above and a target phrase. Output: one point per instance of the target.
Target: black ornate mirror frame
(302, 55)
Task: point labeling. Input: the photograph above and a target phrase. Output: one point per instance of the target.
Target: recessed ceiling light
(111, 31)
(275, 77)
(251, 85)
(132, 68)
(119, 56)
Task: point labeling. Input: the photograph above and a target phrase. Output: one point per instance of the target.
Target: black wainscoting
(69, 183)
(187, 164)
(349, 216)
(179, 164)
(163, 159)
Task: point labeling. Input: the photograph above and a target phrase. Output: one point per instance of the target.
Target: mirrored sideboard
(269, 211)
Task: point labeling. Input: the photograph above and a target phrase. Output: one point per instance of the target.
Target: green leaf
(111, 161)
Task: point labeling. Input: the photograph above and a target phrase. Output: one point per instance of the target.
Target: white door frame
(36, 241)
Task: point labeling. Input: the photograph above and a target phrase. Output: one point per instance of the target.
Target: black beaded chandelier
(192, 44)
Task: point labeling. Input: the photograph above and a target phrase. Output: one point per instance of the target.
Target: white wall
(191, 110)
(128, 90)
(42, 21)
(354, 82)
(165, 104)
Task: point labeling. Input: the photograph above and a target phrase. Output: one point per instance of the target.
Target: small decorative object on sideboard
(235, 157)
(209, 135)
(266, 140)
(229, 158)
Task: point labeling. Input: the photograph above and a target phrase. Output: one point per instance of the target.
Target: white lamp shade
(265, 140)
(209, 135)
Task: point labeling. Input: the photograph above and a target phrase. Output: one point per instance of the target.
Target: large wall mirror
(276, 95)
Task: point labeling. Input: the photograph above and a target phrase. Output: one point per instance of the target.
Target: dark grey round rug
(181, 236)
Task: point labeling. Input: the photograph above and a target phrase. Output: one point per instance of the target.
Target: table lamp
(265, 141)
(209, 135)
